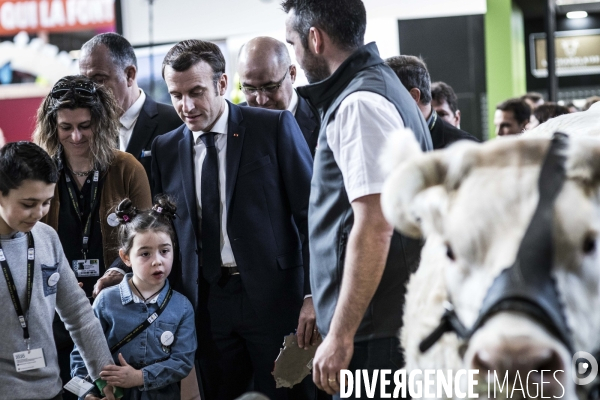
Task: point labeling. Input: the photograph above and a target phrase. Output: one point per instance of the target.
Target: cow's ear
(402, 188)
(583, 161)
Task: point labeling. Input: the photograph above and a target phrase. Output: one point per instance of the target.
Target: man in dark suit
(109, 59)
(267, 75)
(241, 180)
(413, 74)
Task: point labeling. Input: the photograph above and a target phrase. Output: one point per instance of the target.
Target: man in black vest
(413, 74)
(267, 75)
(359, 266)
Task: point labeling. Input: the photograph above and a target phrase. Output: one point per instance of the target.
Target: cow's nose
(521, 355)
(524, 359)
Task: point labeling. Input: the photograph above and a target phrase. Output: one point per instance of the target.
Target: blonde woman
(77, 125)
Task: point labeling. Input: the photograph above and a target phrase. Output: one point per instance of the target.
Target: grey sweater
(65, 297)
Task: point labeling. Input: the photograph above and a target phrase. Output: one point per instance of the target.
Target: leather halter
(526, 286)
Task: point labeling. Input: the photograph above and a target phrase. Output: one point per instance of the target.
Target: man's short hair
(344, 21)
(519, 107)
(120, 50)
(413, 73)
(533, 96)
(549, 110)
(188, 53)
(441, 91)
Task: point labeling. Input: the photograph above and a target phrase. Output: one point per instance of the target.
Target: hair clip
(126, 218)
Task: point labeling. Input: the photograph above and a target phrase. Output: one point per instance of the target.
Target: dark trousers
(374, 354)
(237, 350)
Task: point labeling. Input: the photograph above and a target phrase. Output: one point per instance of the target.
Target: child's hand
(108, 392)
(124, 376)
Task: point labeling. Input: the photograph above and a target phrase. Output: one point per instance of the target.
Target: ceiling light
(577, 14)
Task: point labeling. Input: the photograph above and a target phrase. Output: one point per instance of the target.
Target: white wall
(237, 21)
(175, 20)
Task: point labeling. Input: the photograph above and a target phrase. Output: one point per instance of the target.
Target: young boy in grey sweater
(35, 281)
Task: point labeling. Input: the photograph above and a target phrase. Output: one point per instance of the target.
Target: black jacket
(154, 119)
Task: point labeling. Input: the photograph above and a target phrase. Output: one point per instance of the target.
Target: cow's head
(478, 200)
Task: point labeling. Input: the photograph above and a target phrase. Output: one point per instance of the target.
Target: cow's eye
(449, 252)
(589, 244)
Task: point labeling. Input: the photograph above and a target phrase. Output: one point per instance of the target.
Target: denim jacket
(119, 315)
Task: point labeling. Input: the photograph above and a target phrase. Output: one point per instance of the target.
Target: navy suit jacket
(268, 172)
(154, 119)
(308, 122)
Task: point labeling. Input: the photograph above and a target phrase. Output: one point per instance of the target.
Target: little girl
(150, 328)
(36, 279)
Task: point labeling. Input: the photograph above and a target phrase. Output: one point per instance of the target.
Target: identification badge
(79, 387)
(86, 268)
(29, 359)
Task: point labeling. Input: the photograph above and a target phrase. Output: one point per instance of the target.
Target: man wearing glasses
(267, 75)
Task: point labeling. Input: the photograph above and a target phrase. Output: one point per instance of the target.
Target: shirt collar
(432, 119)
(293, 103)
(127, 294)
(131, 115)
(220, 125)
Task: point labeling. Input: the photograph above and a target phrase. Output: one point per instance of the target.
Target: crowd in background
(266, 216)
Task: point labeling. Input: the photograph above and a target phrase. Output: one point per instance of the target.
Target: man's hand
(307, 332)
(108, 393)
(124, 376)
(110, 278)
(333, 355)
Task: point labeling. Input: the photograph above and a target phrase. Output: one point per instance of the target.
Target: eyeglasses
(270, 88)
(64, 86)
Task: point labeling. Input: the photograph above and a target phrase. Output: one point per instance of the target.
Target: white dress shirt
(199, 154)
(293, 107)
(128, 120)
(357, 135)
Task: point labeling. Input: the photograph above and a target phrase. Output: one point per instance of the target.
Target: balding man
(267, 75)
(109, 59)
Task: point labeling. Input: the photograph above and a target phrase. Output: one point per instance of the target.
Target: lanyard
(94, 199)
(12, 289)
(147, 322)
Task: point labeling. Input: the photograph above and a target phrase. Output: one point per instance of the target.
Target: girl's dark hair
(133, 221)
(24, 160)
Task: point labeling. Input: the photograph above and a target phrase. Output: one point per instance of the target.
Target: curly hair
(104, 120)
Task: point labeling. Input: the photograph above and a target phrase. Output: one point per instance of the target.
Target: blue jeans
(374, 354)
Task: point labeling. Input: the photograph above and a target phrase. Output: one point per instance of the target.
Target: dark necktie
(211, 211)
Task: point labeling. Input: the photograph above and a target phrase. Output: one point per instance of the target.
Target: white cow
(473, 204)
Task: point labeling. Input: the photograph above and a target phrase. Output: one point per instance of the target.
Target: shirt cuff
(307, 296)
(119, 270)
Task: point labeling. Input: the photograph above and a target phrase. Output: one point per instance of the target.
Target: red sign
(54, 15)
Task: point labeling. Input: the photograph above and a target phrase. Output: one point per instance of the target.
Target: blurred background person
(77, 125)
(572, 107)
(589, 101)
(533, 99)
(445, 103)
(413, 74)
(511, 117)
(546, 111)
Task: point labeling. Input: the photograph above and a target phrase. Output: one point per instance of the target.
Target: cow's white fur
(479, 199)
